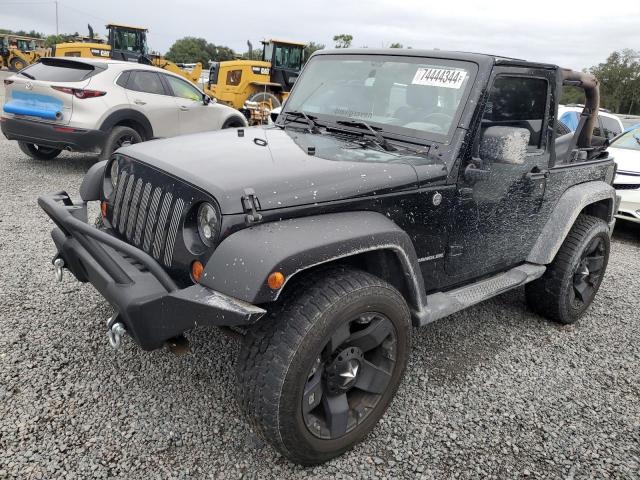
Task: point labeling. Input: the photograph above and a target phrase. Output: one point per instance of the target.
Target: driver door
(195, 116)
(497, 218)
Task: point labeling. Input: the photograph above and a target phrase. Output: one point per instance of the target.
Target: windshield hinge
(251, 206)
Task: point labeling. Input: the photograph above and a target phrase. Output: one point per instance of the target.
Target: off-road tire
(550, 295)
(38, 152)
(17, 64)
(280, 349)
(115, 140)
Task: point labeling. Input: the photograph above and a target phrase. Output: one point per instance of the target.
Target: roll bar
(590, 85)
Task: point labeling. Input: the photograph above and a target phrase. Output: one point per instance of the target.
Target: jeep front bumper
(147, 301)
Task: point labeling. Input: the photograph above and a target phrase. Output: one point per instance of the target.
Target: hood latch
(251, 206)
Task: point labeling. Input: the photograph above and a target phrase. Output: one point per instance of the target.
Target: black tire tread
(270, 345)
(544, 295)
(118, 130)
(27, 149)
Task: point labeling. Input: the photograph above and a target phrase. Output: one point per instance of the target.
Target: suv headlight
(113, 173)
(208, 223)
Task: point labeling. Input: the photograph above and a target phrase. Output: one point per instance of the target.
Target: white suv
(607, 124)
(99, 105)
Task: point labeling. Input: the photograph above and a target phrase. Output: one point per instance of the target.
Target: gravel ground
(492, 392)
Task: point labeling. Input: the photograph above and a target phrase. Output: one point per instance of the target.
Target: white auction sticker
(439, 77)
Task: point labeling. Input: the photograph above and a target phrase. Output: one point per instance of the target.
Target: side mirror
(504, 145)
(206, 99)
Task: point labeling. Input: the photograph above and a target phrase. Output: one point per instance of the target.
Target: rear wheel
(315, 377)
(119, 137)
(17, 64)
(571, 281)
(39, 152)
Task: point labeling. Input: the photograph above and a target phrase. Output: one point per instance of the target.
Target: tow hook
(115, 332)
(58, 263)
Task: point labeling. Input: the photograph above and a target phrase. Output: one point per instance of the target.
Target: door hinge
(251, 206)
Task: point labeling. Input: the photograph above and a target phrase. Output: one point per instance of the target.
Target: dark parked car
(395, 188)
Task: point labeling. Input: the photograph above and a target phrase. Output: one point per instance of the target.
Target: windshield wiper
(637, 139)
(28, 75)
(313, 125)
(383, 142)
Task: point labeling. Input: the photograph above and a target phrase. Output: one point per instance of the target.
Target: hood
(627, 160)
(281, 166)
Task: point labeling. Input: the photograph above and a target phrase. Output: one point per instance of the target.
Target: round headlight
(113, 173)
(208, 223)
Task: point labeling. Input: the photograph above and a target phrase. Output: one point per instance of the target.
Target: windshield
(420, 97)
(629, 140)
(131, 41)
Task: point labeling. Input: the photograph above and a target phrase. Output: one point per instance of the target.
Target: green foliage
(312, 47)
(52, 40)
(343, 40)
(192, 50)
(396, 45)
(619, 80)
(571, 95)
(24, 33)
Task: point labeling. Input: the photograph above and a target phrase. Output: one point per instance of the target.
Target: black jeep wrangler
(395, 188)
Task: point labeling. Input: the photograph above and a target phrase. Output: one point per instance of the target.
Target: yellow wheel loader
(16, 51)
(255, 87)
(124, 43)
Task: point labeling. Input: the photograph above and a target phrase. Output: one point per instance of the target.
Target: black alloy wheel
(349, 376)
(588, 274)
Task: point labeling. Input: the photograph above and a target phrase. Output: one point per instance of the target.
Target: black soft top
(482, 59)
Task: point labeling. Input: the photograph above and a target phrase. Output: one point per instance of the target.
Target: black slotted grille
(147, 216)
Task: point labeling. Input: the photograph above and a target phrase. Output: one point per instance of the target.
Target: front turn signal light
(103, 209)
(196, 270)
(275, 280)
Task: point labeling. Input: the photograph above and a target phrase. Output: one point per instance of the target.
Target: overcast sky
(550, 31)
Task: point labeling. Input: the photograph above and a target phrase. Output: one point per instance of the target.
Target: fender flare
(128, 114)
(235, 116)
(572, 202)
(92, 182)
(240, 265)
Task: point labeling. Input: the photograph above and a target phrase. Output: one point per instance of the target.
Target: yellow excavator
(255, 87)
(124, 43)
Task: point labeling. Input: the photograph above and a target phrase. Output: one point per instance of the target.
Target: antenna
(57, 29)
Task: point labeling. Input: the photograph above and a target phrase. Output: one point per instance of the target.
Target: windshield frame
(387, 130)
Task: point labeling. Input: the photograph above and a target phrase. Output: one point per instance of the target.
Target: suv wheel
(233, 122)
(39, 152)
(119, 137)
(316, 376)
(572, 280)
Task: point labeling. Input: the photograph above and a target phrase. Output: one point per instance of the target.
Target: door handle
(139, 102)
(184, 108)
(536, 174)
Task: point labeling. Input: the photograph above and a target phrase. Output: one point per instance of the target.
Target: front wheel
(17, 64)
(38, 152)
(571, 281)
(316, 376)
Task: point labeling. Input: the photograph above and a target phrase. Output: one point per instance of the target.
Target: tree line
(619, 75)
(619, 78)
(192, 50)
(49, 40)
